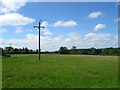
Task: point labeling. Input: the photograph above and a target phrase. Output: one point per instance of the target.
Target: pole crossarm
(39, 27)
(36, 26)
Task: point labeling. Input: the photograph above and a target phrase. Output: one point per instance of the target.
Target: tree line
(63, 50)
(24, 50)
(89, 51)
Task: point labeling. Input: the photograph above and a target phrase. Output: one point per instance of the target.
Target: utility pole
(39, 35)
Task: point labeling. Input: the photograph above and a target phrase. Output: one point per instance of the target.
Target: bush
(6, 55)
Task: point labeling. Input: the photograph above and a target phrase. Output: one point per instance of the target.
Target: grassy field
(60, 71)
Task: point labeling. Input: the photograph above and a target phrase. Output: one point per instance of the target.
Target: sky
(80, 24)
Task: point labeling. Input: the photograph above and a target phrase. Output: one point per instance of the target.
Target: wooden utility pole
(39, 35)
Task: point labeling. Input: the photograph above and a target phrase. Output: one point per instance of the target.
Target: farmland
(60, 71)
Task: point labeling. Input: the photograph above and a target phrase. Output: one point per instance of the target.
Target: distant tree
(16, 51)
(106, 51)
(20, 51)
(73, 50)
(37, 50)
(93, 51)
(9, 50)
(98, 51)
(26, 50)
(12, 51)
(74, 47)
(63, 50)
(23, 51)
(116, 51)
(85, 51)
(56, 52)
(31, 51)
(111, 51)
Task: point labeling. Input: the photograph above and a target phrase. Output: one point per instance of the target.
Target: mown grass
(60, 71)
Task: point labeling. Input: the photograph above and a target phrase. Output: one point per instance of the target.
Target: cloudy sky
(82, 24)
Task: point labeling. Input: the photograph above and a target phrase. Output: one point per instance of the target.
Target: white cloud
(101, 40)
(117, 20)
(71, 39)
(58, 23)
(19, 30)
(99, 27)
(44, 23)
(94, 15)
(31, 36)
(46, 32)
(14, 19)
(30, 41)
(94, 37)
(8, 6)
(70, 23)
(90, 35)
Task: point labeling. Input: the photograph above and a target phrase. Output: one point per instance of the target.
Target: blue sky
(83, 24)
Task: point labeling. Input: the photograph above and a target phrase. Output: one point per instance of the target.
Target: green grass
(60, 71)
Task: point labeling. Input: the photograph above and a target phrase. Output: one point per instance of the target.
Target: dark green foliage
(1, 51)
(91, 51)
(109, 51)
(16, 51)
(3, 54)
(65, 50)
(9, 50)
(6, 55)
(73, 50)
(26, 50)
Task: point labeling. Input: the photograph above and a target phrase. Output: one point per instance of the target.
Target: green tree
(9, 50)
(93, 51)
(73, 50)
(26, 50)
(16, 51)
(74, 47)
(63, 50)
